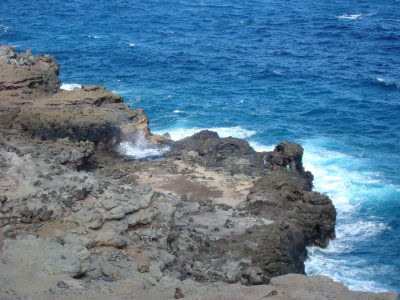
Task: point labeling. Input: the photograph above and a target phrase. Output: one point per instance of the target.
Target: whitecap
(4, 28)
(356, 278)
(70, 86)
(237, 131)
(350, 17)
(338, 175)
(177, 111)
(360, 230)
(132, 45)
(335, 175)
(387, 82)
(94, 37)
(139, 147)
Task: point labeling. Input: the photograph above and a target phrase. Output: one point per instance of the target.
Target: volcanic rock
(210, 219)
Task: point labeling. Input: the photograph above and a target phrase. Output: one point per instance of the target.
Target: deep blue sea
(325, 74)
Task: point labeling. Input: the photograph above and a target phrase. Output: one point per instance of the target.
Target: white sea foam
(70, 86)
(4, 28)
(356, 278)
(387, 82)
(336, 175)
(360, 230)
(177, 111)
(180, 133)
(94, 37)
(329, 177)
(139, 147)
(237, 132)
(132, 45)
(260, 147)
(350, 17)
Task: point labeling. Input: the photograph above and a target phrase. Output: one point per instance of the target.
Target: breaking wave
(237, 132)
(387, 82)
(338, 175)
(70, 86)
(350, 17)
(139, 147)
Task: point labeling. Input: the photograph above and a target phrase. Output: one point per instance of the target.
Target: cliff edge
(92, 205)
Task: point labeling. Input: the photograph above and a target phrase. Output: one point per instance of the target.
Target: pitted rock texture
(211, 219)
(287, 216)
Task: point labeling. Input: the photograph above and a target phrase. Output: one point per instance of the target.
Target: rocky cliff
(201, 218)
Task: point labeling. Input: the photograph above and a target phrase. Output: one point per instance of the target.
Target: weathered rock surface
(87, 114)
(211, 219)
(264, 236)
(301, 287)
(26, 76)
(32, 103)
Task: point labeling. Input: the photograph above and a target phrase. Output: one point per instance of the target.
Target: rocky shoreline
(203, 218)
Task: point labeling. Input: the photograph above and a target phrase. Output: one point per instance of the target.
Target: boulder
(27, 76)
(47, 257)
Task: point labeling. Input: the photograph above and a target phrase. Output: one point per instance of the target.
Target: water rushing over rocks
(212, 219)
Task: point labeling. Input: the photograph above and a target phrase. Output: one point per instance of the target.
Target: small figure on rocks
(145, 268)
(62, 285)
(178, 293)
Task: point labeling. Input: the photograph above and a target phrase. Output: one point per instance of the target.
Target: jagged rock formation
(262, 237)
(25, 76)
(211, 219)
(32, 103)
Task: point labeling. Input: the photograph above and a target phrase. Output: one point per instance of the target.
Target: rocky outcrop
(26, 76)
(208, 149)
(267, 234)
(32, 104)
(87, 114)
(289, 155)
(209, 219)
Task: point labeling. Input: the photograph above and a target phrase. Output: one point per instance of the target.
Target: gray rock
(47, 257)
(301, 287)
(116, 213)
(253, 275)
(96, 220)
(142, 217)
(109, 203)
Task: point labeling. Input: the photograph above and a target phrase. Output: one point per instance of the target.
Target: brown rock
(32, 103)
(27, 76)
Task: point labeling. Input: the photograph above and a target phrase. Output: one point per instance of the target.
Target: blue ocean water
(322, 73)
